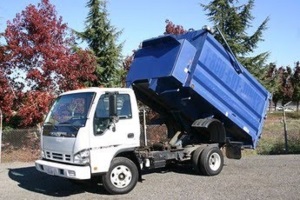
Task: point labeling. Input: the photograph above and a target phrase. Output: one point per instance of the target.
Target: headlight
(82, 157)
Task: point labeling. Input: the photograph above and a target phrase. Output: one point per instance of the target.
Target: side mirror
(113, 105)
(113, 111)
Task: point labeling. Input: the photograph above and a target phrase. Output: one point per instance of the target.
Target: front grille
(58, 156)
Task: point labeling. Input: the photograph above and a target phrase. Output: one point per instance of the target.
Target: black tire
(121, 177)
(195, 159)
(211, 161)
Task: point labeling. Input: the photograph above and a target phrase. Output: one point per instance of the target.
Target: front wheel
(211, 161)
(121, 177)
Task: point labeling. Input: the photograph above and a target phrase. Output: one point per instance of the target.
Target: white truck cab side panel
(124, 134)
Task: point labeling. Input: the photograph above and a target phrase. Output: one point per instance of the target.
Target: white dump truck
(207, 100)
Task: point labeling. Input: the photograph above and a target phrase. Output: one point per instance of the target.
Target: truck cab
(85, 129)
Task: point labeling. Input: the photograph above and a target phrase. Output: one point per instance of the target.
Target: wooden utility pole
(285, 128)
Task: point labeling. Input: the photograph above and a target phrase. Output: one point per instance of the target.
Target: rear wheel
(121, 177)
(211, 161)
(195, 159)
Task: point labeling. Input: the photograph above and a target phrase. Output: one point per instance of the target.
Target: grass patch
(272, 141)
(279, 114)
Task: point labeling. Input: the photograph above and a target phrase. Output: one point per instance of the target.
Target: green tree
(234, 20)
(101, 38)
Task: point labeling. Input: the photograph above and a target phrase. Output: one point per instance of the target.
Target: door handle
(130, 135)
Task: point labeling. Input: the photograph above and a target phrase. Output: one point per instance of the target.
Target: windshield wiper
(50, 124)
(69, 124)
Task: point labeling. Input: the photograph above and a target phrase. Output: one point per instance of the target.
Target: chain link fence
(20, 145)
(24, 144)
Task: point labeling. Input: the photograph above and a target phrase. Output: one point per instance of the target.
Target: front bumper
(63, 170)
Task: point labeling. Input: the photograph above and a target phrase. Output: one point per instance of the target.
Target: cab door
(113, 134)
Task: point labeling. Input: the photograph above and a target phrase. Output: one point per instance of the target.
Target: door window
(102, 119)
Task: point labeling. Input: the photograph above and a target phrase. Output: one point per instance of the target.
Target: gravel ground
(253, 177)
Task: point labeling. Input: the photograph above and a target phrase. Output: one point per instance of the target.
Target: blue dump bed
(194, 75)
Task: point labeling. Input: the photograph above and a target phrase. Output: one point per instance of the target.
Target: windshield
(70, 110)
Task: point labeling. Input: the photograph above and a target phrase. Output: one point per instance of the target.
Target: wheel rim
(120, 176)
(214, 161)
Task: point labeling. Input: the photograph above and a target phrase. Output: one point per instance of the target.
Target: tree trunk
(275, 105)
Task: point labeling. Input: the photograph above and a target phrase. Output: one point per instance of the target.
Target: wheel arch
(214, 127)
(130, 154)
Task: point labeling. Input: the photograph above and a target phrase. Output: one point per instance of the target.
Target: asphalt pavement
(252, 177)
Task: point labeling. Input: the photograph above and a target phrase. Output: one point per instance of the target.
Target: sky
(143, 19)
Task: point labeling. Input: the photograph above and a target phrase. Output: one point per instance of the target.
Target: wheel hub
(121, 176)
(214, 161)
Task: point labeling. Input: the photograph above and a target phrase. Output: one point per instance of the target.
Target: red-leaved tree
(6, 94)
(171, 28)
(42, 61)
(296, 84)
(286, 84)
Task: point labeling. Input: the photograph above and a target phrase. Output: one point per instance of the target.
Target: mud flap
(234, 150)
